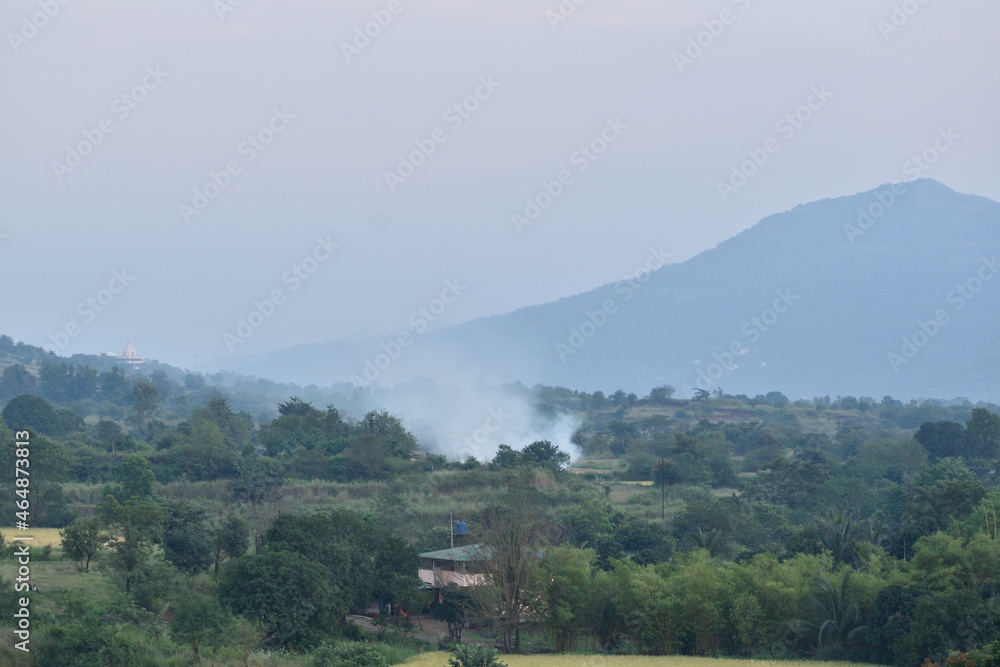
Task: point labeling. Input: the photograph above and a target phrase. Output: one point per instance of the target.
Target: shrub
(988, 656)
(959, 660)
(648, 498)
(350, 654)
(474, 655)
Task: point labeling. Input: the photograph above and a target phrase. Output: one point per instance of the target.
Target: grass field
(43, 536)
(441, 660)
(53, 576)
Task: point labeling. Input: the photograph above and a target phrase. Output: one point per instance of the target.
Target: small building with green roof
(451, 566)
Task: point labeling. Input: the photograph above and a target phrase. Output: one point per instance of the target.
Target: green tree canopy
(145, 400)
(291, 595)
(83, 540)
(231, 539)
(201, 622)
(941, 439)
(31, 412)
(17, 380)
(136, 526)
(364, 561)
(982, 435)
(187, 537)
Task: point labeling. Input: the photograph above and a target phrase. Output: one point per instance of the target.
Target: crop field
(441, 660)
(43, 536)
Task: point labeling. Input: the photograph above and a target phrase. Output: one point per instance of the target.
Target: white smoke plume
(475, 421)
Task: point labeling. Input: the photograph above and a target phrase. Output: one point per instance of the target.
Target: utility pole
(451, 528)
(663, 488)
(660, 476)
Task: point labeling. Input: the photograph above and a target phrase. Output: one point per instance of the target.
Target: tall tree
(544, 453)
(145, 404)
(136, 477)
(164, 386)
(259, 487)
(397, 441)
(136, 526)
(135, 521)
(940, 439)
(512, 544)
(232, 538)
(17, 380)
(28, 411)
(839, 536)
(115, 385)
(364, 562)
(238, 428)
(453, 610)
(289, 594)
(187, 538)
(567, 592)
(201, 622)
(837, 619)
(108, 432)
(83, 540)
(661, 395)
(982, 435)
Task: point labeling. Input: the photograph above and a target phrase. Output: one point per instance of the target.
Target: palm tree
(838, 617)
(838, 535)
(704, 540)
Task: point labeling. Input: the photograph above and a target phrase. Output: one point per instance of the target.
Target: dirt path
(426, 628)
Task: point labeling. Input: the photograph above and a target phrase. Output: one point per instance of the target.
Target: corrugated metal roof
(467, 553)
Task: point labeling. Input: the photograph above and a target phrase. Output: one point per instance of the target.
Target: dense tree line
(762, 534)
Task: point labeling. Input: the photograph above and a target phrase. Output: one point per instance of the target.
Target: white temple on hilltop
(128, 355)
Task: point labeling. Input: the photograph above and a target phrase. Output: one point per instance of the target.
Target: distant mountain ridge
(889, 291)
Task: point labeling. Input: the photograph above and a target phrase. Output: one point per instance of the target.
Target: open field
(441, 659)
(53, 576)
(43, 536)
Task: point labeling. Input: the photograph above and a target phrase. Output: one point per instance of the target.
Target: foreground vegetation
(189, 531)
(577, 660)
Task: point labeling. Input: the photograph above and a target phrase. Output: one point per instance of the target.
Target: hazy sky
(176, 162)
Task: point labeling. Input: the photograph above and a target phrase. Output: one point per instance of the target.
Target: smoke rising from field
(459, 422)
